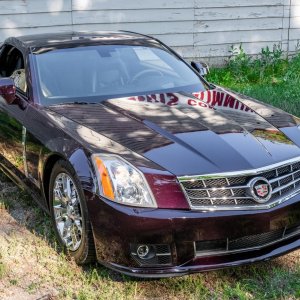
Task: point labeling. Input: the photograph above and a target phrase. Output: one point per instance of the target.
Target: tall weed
(269, 76)
(241, 68)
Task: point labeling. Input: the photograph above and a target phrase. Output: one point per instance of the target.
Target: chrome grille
(232, 190)
(237, 180)
(219, 182)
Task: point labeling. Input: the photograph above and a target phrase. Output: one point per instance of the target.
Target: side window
(12, 65)
(3, 59)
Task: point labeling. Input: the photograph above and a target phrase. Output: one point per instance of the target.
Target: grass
(268, 77)
(32, 266)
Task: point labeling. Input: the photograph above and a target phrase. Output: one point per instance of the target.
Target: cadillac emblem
(260, 189)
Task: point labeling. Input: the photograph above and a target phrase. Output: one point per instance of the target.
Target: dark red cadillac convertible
(141, 163)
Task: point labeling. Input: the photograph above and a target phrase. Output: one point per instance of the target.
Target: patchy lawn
(32, 266)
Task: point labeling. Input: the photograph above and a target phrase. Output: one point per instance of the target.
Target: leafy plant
(268, 76)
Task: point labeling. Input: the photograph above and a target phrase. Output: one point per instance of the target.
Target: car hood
(207, 132)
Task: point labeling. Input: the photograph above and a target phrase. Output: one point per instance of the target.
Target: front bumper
(196, 265)
(116, 228)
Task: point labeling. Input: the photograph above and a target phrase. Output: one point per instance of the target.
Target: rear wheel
(69, 213)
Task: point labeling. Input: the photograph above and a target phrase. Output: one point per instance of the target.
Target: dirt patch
(19, 271)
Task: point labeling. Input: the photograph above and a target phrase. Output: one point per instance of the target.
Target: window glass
(12, 65)
(97, 73)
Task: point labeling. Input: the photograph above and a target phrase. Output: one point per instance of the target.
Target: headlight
(121, 182)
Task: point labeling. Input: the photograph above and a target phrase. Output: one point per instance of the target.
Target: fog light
(142, 251)
(151, 254)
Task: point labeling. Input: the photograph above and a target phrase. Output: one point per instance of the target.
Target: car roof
(73, 38)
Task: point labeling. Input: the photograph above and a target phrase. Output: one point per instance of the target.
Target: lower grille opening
(214, 245)
(245, 243)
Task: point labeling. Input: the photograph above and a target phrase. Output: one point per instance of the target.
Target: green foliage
(268, 76)
(243, 68)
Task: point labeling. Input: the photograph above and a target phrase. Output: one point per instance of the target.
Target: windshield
(96, 73)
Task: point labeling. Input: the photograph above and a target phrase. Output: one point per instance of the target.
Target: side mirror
(200, 67)
(8, 90)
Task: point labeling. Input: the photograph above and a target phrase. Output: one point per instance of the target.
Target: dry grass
(32, 267)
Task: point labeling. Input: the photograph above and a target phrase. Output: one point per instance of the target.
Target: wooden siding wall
(195, 28)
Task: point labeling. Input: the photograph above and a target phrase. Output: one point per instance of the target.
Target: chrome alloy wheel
(67, 211)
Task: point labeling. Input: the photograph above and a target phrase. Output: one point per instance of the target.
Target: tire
(71, 218)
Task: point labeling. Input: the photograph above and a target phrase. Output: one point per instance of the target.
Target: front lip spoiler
(190, 269)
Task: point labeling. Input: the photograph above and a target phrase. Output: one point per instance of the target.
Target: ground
(33, 267)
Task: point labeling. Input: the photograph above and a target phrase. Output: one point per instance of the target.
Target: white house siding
(294, 18)
(197, 29)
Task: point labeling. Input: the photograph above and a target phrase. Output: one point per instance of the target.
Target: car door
(11, 116)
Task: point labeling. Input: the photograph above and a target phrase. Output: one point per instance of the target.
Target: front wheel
(69, 213)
